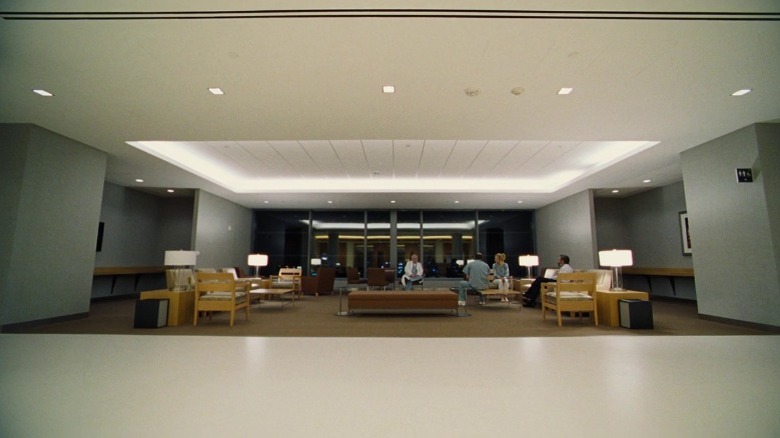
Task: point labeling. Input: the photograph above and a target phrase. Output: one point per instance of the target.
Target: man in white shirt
(413, 272)
(532, 293)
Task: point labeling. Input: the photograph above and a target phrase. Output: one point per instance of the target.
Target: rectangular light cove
(388, 89)
(43, 93)
(565, 90)
(216, 91)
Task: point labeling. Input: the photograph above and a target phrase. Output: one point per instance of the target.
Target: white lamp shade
(316, 262)
(180, 258)
(257, 260)
(616, 257)
(528, 260)
(459, 262)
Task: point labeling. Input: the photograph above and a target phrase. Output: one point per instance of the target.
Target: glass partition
(448, 238)
(509, 232)
(444, 239)
(338, 239)
(283, 235)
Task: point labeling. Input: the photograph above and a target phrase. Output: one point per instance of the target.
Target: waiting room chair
(353, 278)
(574, 292)
(322, 284)
(288, 278)
(219, 292)
(376, 277)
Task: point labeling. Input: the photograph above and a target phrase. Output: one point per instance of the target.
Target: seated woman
(501, 274)
(413, 272)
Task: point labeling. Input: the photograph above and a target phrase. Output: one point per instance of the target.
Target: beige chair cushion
(571, 296)
(223, 296)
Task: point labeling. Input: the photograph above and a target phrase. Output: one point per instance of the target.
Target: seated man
(533, 292)
(413, 272)
(475, 276)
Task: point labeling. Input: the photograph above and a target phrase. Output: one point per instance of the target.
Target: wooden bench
(399, 301)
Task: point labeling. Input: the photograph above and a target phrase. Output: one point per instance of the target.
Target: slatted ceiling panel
(242, 158)
(379, 156)
(463, 155)
(292, 157)
(352, 158)
(492, 155)
(547, 155)
(266, 153)
(324, 160)
(522, 153)
(269, 163)
(573, 156)
(435, 155)
(406, 158)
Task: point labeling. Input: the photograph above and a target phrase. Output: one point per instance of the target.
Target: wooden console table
(607, 304)
(181, 305)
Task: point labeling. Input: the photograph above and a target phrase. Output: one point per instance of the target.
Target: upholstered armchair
(219, 292)
(353, 278)
(376, 277)
(288, 278)
(574, 292)
(322, 284)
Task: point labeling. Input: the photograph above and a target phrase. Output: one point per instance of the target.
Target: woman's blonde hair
(500, 256)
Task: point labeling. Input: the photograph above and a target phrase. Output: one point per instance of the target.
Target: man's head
(563, 260)
(478, 256)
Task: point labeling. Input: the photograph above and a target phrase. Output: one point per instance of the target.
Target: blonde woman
(501, 273)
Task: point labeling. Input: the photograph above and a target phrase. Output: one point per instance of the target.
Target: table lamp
(257, 260)
(179, 273)
(315, 264)
(616, 259)
(529, 261)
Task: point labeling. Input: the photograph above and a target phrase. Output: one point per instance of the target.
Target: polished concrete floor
(179, 386)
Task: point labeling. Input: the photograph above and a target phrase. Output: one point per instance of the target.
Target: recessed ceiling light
(42, 93)
(216, 91)
(742, 92)
(388, 89)
(139, 180)
(647, 181)
(519, 202)
(457, 202)
(565, 90)
(170, 190)
(265, 202)
(393, 201)
(616, 191)
(330, 202)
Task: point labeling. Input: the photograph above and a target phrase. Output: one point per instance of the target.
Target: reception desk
(607, 304)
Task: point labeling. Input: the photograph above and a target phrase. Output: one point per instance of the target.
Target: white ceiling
(304, 117)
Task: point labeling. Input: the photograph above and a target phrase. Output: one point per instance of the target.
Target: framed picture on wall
(685, 233)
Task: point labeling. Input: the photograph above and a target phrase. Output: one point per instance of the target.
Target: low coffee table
(270, 293)
(487, 293)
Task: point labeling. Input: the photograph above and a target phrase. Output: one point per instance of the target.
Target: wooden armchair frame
(574, 292)
(219, 292)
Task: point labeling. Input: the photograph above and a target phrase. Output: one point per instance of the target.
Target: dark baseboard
(23, 327)
(746, 324)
